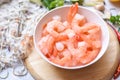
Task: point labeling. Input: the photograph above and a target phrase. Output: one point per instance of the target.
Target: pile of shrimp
(73, 42)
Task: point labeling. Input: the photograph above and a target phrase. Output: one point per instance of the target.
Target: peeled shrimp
(90, 55)
(78, 22)
(74, 19)
(54, 27)
(73, 42)
(88, 27)
(62, 58)
(46, 44)
(72, 12)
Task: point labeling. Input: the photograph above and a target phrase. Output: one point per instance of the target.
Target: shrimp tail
(72, 12)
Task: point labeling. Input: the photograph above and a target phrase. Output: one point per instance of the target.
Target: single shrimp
(78, 21)
(66, 57)
(89, 26)
(72, 12)
(46, 44)
(54, 27)
(62, 58)
(95, 33)
(89, 56)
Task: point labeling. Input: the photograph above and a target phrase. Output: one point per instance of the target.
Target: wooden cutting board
(101, 70)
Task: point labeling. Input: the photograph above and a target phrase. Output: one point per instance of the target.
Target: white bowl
(90, 16)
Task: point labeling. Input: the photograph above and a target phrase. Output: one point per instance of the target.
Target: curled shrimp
(74, 19)
(89, 56)
(46, 45)
(62, 58)
(78, 22)
(54, 27)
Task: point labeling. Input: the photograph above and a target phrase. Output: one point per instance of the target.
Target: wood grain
(101, 70)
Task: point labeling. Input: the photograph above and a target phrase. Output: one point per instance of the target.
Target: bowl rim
(74, 67)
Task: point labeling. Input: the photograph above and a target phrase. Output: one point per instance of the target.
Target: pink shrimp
(46, 45)
(74, 19)
(44, 32)
(95, 33)
(54, 27)
(66, 57)
(89, 56)
(89, 26)
(62, 58)
(72, 12)
(78, 21)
